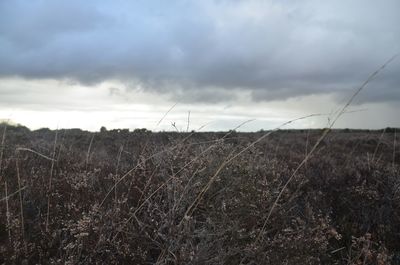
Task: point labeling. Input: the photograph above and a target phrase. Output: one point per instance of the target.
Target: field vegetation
(120, 197)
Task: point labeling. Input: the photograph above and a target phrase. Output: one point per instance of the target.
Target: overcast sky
(126, 63)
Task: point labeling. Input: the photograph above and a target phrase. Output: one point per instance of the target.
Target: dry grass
(202, 199)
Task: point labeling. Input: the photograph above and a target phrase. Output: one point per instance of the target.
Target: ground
(120, 197)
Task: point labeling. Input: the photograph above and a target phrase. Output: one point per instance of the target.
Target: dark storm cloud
(201, 50)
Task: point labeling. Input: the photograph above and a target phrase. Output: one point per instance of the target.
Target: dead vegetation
(116, 197)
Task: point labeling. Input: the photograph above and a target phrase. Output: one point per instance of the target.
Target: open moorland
(120, 197)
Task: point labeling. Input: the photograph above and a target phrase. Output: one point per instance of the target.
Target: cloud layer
(203, 50)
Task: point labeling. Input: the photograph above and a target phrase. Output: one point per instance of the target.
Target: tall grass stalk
(306, 151)
(378, 144)
(60, 145)
(173, 176)
(34, 152)
(161, 152)
(88, 152)
(21, 206)
(228, 160)
(166, 113)
(188, 122)
(12, 194)
(51, 182)
(324, 134)
(7, 212)
(394, 151)
(3, 138)
(121, 149)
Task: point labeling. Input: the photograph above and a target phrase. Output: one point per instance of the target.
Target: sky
(209, 64)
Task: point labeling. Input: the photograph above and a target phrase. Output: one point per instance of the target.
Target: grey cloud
(201, 50)
(205, 95)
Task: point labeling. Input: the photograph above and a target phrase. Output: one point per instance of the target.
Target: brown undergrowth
(342, 208)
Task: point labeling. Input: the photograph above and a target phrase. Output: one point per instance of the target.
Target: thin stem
(2, 150)
(116, 171)
(324, 134)
(7, 212)
(12, 194)
(88, 152)
(308, 134)
(188, 122)
(377, 145)
(165, 115)
(394, 151)
(228, 160)
(51, 182)
(34, 152)
(21, 204)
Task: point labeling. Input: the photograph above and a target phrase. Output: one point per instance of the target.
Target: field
(120, 197)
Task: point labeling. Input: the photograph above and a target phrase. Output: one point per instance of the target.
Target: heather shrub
(138, 198)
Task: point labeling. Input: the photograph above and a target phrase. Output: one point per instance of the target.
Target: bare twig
(173, 124)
